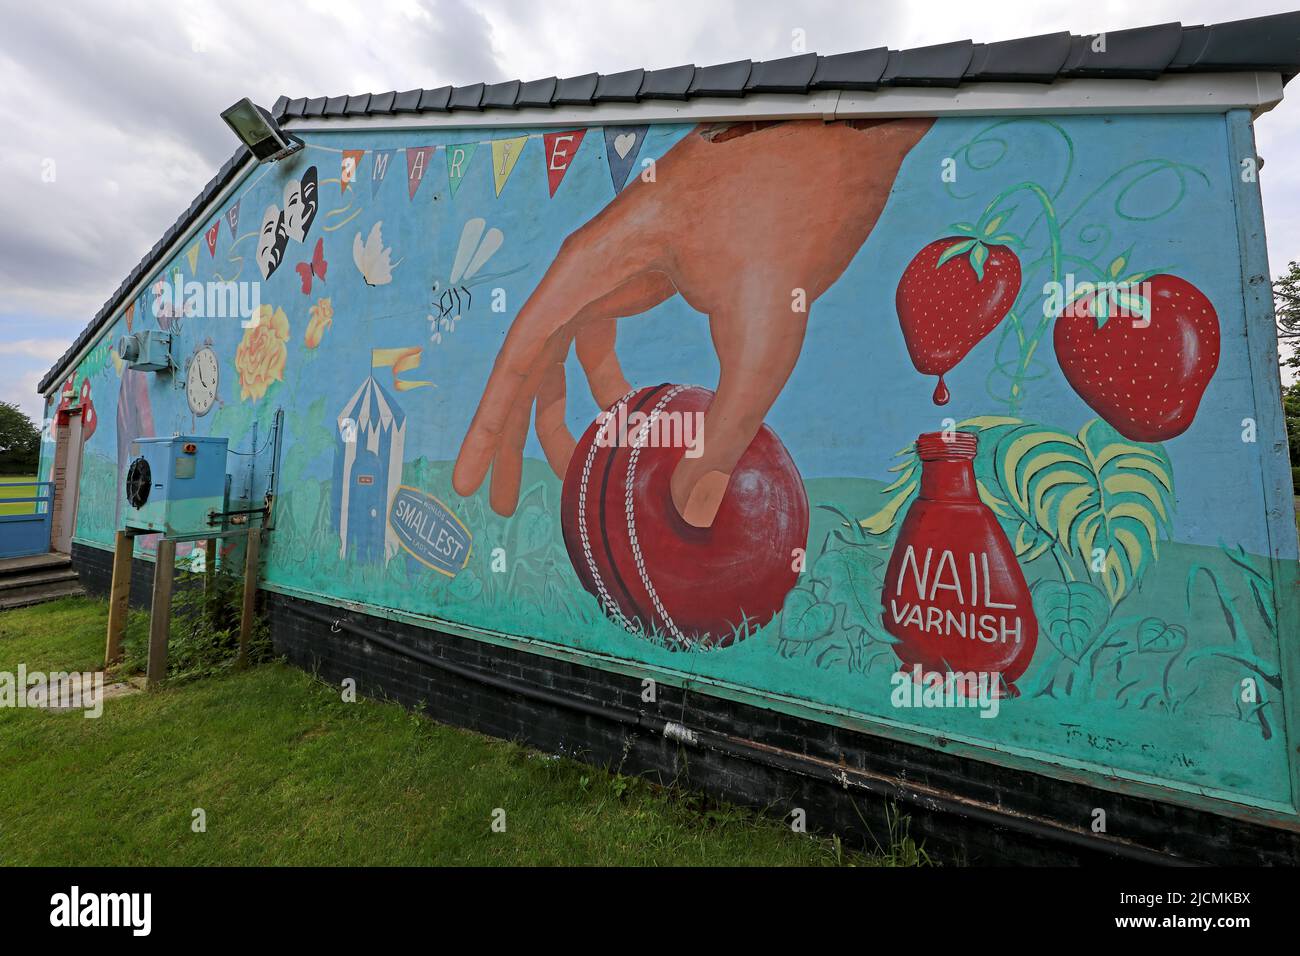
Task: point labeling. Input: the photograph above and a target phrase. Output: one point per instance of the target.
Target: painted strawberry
(1140, 351)
(89, 417)
(952, 294)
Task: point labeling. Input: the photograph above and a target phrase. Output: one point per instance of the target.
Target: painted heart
(952, 294)
(1140, 357)
(623, 144)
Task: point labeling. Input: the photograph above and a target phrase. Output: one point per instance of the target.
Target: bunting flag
(559, 149)
(211, 237)
(622, 144)
(399, 360)
(505, 154)
(417, 160)
(193, 256)
(348, 172)
(458, 158)
(232, 218)
(379, 169)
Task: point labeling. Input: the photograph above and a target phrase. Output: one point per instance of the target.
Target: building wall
(1118, 547)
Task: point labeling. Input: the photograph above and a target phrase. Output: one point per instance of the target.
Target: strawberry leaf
(978, 256)
(1099, 307)
(956, 249)
(965, 228)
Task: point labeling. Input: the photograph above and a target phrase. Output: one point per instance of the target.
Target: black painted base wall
(846, 782)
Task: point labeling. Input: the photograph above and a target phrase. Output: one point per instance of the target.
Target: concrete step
(39, 594)
(13, 581)
(34, 562)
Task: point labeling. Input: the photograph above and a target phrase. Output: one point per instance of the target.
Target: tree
(1291, 407)
(1286, 304)
(20, 441)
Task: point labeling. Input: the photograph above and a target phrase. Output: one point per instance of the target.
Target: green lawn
(287, 773)
(17, 491)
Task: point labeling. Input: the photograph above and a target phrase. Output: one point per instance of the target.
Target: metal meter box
(174, 484)
(149, 350)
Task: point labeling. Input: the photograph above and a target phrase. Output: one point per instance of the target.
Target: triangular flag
(458, 158)
(505, 153)
(559, 149)
(211, 236)
(232, 217)
(348, 172)
(622, 144)
(193, 256)
(417, 159)
(379, 169)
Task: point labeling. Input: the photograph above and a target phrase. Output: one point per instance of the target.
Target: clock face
(201, 383)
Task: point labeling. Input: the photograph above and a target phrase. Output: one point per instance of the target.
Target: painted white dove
(374, 261)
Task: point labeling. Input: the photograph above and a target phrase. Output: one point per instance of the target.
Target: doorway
(67, 481)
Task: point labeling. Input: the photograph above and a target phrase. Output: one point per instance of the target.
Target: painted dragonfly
(450, 300)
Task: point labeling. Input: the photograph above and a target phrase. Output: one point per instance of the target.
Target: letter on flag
(379, 169)
(348, 172)
(232, 217)
(458, 158)
(505, 153)
(559, 149)
(211, 236)
(417, 159)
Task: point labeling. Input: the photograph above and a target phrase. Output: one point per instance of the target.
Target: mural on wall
(798, 407)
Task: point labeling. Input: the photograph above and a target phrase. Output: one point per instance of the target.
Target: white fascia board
(1176, 93)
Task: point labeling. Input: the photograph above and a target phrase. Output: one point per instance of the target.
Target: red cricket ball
(652, 572)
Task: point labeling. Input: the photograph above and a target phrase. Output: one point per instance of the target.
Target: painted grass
(17, 491)
(289, 774)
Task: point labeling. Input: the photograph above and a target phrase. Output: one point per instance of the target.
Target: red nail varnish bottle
(954, 595)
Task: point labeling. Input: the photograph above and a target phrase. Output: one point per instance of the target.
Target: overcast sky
(124, 97)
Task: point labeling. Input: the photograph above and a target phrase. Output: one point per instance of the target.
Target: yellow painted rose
(322, 317)
(261, 354)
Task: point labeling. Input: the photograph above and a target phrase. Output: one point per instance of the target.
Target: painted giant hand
(750, 224)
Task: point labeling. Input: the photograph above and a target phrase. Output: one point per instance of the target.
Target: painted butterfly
(316, 267)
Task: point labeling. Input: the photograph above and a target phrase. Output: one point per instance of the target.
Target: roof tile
(723, 79)
(861, 70)
(672, 83)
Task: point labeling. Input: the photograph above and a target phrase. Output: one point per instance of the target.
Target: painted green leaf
(1094, 490)
(978, 256)
(805, 618)
(466, 586)
(1071, 614)
(956, 249)
(1154, 636)
(534, 529)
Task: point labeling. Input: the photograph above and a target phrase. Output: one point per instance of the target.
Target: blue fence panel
(24, 534)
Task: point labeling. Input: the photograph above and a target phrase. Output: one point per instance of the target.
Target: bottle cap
(947, 446)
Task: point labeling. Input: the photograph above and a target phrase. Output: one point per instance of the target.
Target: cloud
(46, 349)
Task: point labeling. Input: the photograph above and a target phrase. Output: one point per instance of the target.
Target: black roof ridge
(1270, 43)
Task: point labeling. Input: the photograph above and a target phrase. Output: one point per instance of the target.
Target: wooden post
(119, 596)
(160, 612)
(250, 593)
(209, 565)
